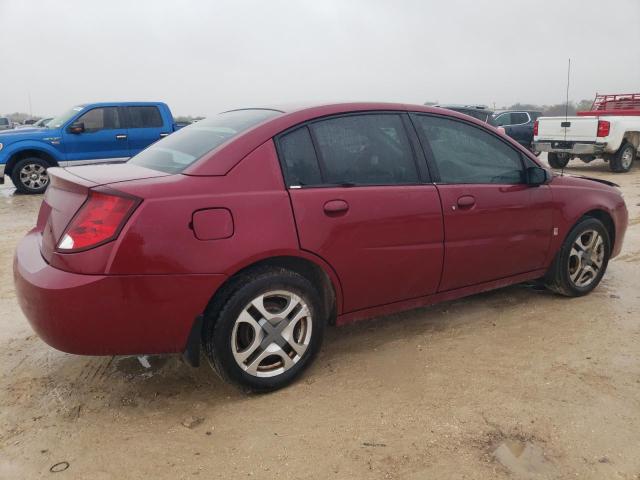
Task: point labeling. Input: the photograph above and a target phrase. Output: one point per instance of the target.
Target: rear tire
(558, 160)
(582, 259)
(265, 330)
(623, 158)
(30, 176)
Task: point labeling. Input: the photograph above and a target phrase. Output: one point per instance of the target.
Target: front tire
(266, 330)
(30, 176)
(582, 259)
(623, 159)
(558, 160)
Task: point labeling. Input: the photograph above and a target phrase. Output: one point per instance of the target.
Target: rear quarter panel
(159, 239)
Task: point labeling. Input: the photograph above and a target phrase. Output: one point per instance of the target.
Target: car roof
(119, 104)
(234, 150)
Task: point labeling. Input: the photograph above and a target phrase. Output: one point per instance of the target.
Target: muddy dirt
(516, 383)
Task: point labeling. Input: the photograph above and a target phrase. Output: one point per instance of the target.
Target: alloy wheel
(627, 158)
(586, 258)
(272, 333)
(34, 176)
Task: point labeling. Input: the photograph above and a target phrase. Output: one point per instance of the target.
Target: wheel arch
(26, 153)
(633, 138)
(307, 265)
(607, 220)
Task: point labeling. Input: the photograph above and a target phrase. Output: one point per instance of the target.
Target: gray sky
(205, 56)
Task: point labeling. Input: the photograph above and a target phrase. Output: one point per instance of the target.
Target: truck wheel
(558, 160)
(623, 159)
(29, 175)
(267, 329)
(581, 261)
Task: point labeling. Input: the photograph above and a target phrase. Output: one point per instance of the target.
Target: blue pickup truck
(91, 133)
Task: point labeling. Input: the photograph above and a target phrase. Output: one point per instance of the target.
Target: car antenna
(566, 108)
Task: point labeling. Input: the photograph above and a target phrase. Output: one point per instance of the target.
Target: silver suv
(5, 123)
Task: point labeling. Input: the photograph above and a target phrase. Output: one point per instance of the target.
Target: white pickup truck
(610, 130)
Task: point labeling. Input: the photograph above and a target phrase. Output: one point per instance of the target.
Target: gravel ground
(516, 383)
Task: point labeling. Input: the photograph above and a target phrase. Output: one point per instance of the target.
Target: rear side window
(176, 152)
(144, 117)
(299, 158)
(503, 119)
(103, 118)
(466, 154)
(371, 149)
(519, 117)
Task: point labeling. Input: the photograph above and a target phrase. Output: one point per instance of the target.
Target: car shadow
(160, 381)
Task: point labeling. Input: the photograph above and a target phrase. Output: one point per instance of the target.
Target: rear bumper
(108, 314)
(576, 148)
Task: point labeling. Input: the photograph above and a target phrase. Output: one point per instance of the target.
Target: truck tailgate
(570, 128)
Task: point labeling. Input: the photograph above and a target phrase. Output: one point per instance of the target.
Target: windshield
(180, 149)
(60, 120)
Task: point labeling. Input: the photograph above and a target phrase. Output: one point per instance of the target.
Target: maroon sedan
(248, 232)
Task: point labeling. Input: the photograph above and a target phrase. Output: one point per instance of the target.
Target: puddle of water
(524, 459)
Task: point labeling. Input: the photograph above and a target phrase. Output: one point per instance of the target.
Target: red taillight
(603, 128)
(98, 221)
(535, 128)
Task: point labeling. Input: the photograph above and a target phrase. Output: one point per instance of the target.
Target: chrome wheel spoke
(272, 350)
(241, 355)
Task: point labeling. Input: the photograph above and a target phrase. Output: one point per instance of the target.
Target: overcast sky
(202, 57)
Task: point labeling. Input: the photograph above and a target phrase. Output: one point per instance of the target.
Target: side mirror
(77, 127)
(537, 176)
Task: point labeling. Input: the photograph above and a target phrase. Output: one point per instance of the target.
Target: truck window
(180, 149)
(144, 117)
(519, 117)
(103, 118)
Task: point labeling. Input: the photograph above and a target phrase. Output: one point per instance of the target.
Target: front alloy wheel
(586, 258)
(582, 260)
(30, 175)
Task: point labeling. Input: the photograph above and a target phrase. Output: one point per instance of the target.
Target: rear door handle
(333, 207)
(121, 136)
(466, 201)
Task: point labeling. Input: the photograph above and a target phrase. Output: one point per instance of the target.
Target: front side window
(104, 118)
(466, 154)
(369, 149)
(144, 117)
(176, 152)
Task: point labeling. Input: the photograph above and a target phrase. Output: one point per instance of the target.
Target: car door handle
(333, 207)
(162, 135)
(466, 201)
(121, 136)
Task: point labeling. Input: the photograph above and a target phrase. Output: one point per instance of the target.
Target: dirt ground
(516, 383)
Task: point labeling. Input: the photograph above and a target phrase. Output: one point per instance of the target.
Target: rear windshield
(180, 149)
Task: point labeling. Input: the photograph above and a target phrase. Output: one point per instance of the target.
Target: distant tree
(557, 109)
(186, 119)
